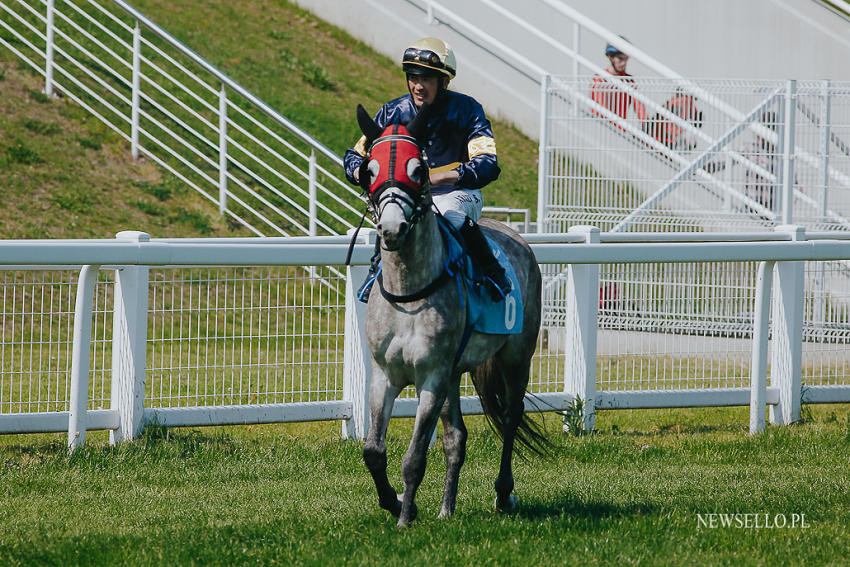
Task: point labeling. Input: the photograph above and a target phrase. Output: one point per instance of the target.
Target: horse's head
(394, 175)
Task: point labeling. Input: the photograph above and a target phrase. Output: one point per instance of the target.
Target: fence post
(542, 161)
(357, 360)
(758, 367)
(134, 112)
(312, 192)
(581, 329)
(48, 51)
(825, 119)
(129, 340)
(788, 152)
(787, 332)
(80, 358)
(222, 150)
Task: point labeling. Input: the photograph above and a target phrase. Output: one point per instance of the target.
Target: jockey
(461, 152)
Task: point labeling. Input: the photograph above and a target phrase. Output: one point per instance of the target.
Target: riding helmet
(430, 57)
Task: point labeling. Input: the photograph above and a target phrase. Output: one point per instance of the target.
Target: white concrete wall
(744, 39)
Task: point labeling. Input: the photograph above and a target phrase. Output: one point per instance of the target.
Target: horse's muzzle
(392, 235)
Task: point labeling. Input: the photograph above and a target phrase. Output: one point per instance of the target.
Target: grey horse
(415, 327)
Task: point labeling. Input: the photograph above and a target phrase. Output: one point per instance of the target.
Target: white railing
(175, 108)
(159, 333)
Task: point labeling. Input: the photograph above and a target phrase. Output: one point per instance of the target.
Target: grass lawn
(632, 493)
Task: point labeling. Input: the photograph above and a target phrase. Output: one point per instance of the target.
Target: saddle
(484, 315)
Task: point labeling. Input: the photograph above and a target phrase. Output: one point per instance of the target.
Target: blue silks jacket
(461, 138)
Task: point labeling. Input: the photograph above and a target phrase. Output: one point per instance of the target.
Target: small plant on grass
(38, 96)
(151, 209)
(90, 143)
(74, 199)
(197, 221)
(805, 411)
(159, 190)
(19, 153)
(573, 418)
(317, 76)
(41, 128)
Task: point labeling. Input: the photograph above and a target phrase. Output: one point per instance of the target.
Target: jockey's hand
(445, 177)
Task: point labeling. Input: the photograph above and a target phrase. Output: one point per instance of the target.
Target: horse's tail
(497, 400)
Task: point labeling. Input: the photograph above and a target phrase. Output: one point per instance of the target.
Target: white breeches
(459, 204)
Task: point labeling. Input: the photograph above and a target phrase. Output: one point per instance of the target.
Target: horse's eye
(374, 168)
(414, 169)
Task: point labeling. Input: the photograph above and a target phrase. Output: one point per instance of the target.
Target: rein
(426, 291)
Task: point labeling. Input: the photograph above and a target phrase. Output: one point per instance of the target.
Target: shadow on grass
(569, 505)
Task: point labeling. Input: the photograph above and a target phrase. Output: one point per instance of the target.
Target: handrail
(837, 7)
(227, 80)
(184, 114)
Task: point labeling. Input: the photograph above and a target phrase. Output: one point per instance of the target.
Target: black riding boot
(498, 284)
(374, 263)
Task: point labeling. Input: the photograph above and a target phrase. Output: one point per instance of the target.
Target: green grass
(297, 495)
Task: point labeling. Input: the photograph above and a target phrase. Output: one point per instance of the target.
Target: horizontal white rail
(249, 414)
(223, 253)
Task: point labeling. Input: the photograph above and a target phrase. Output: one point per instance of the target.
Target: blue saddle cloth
(503, 317)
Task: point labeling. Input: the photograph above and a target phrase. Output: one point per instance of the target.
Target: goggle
(423, 57)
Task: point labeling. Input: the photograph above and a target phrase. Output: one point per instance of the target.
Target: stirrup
(498, 284)
(366, 286)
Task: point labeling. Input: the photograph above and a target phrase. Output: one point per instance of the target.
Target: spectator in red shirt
(609, 94)
(672, 134)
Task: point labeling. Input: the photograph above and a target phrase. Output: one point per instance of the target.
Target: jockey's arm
(445, 177)
(482, 166)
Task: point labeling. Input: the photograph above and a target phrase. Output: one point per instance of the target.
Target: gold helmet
(430, 57)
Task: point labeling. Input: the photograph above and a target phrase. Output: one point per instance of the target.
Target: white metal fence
(177, 109)
(188, 332)
(658, 154)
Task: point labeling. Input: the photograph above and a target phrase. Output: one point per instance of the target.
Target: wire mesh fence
(230, 336)
(37, 330)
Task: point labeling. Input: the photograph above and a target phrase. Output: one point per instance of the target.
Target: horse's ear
(371, 130)
(418, 126)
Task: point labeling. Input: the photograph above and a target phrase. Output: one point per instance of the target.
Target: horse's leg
(413, 465)
(504, 485)
(454, 447)
(382, 394)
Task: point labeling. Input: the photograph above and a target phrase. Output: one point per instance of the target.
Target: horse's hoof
(509, 506)
(404, 522)
(394, 508)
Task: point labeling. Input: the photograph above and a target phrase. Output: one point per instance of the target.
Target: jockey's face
(424, 89)
(618, 62)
